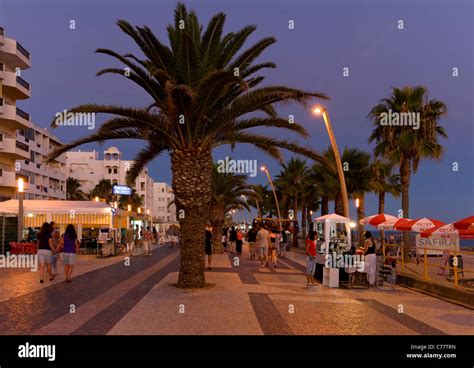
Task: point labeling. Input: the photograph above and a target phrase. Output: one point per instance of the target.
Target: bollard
(455, 265)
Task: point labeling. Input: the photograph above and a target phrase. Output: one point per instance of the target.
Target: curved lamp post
(345, 201)
(264, 168)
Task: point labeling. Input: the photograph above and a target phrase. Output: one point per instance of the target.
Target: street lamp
(345, 201)
(264, 168)
(96, 199)
(258, 207)
(21, 193)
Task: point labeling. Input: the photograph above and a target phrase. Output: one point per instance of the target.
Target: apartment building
(14, 59)
(163, 213)
(23, 145)
(89, 168)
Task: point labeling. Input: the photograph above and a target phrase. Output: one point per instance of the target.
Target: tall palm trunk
(217, 217)
(405, 173)
(324, 205)
(381, 210)
(338, 206)
(192, 181)
(360, 216)
(303, 220)
(295, 216)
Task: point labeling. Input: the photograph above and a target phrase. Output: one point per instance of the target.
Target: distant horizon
(327, 37)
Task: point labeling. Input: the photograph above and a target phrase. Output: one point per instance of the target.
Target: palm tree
(358, 181)
(291, 180)
(262, 200)
(404, 145)
(229, 192)
(310, 200)
(202, 89)
(73, 190)
(326, 185)
(134, 200)
(103, 189)
(384, 181)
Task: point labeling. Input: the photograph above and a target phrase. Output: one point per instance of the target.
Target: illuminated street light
(345, 201)
(96, 199)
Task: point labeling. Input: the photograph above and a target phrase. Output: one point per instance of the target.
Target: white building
(45, 180)
(164, 213)
(88, 168)
(23, 146)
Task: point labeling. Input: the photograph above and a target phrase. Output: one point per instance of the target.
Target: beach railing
(448, 265)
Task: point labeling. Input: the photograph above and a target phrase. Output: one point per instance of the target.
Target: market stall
(333, 242)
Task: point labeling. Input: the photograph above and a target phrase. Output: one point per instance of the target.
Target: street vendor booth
(333, 241)
(87, 216)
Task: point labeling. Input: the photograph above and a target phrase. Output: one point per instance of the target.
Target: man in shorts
(263, 243)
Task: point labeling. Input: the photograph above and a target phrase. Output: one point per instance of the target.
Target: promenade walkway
(109, 297)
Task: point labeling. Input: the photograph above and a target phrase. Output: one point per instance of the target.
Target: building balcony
(14, 54)
(7, 179)
(14, 86)
(14, 149)
(13, 117)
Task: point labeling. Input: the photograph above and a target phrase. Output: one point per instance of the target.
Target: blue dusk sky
(327, 36)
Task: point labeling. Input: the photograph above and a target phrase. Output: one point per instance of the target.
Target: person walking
(263, 243)
(370, 258)
(208, 249)
(252, 238)
(310, 260)
(56, 238)
(239, 241)
(136, 240)
(233, 239)
(274, 247)
(45, 251)
(147, 240)
(69, 245)
(130, 239)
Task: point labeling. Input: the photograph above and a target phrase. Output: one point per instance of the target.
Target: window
(109, 170)
(142, 186)
(162, 190)
(115, 170)
(32, 156)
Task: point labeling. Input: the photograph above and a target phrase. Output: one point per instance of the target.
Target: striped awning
(34, 221)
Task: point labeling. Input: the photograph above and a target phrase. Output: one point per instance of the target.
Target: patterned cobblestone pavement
(108, 297)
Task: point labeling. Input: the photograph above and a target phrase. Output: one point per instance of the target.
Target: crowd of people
(265, 242)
